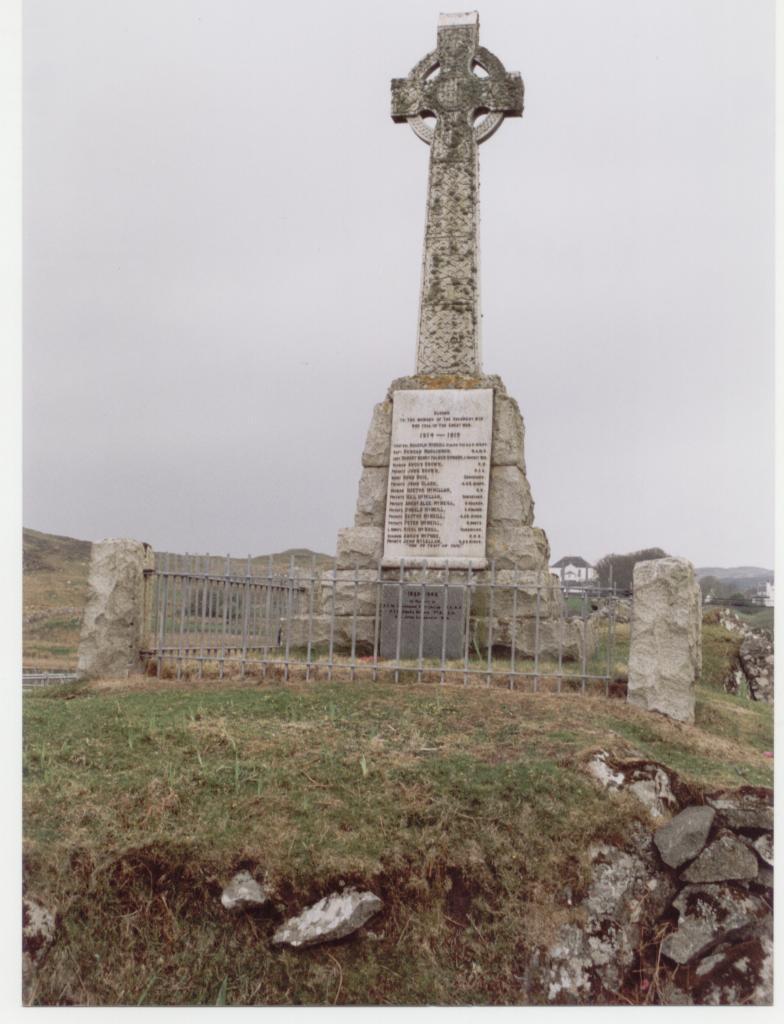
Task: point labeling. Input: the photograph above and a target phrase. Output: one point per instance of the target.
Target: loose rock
(683, 838)
(37, 928)
(764, 847)
(333, 917)
(38, 931)
(649, 782)
(708, 915)
(244, 891)
(726, 858)
(744, 808)
(651, 785)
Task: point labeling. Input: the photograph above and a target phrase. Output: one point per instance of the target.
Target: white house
(765, 595)
(573, 569)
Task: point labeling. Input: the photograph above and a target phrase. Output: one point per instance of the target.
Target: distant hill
(55, 592)
(54, 587)
(739, 577)
(737, 572)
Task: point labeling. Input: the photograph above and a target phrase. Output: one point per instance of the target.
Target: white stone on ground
(333, 917)
(244, 891)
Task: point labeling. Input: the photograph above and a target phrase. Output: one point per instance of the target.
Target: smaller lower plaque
(436, 614)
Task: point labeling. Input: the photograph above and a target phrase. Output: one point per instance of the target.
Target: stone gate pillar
(114, 620)
(665, 657)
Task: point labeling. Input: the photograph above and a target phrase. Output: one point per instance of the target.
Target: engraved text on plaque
(438, 477)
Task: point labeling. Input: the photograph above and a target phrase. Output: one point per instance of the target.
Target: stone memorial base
(517, 552)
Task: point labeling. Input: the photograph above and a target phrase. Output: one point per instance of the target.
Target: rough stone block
(510, 500)
(726, 858)
(360, 547)
(569, 636)
(524, 604)
(372, 498)
(664, 657)
(308, 627)
(522, 547)
(708, 914)
(683, 837)
(113, 625)
(744, 808)
(349, 591)
(508, 433)
(376, 451)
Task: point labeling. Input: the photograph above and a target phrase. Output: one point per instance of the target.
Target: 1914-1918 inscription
(438, 477)
(432, 621)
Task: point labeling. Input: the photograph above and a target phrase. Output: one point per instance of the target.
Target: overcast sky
(223, 231)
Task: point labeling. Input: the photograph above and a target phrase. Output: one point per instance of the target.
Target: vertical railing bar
(332, 619)
(310, 616)
(289, 599)
(399, 623)
(490, 624)
(584, 640)
(204, 590)
(610, 642)
(442, 676)
(514, 626)
(561, 630)
(253, 642)
(467, 625)
(182, 616)
(225, 613)
(193, 601)
(355, 604)
(152, 625)
(245, 617)
(420, 646)
(162, 626)
(537, 630)
(267, 620)
(377, 626)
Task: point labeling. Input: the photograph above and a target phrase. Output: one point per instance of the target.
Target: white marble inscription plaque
(439, 473)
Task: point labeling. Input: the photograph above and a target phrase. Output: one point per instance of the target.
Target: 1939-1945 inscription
(426, 620)
(438, 477)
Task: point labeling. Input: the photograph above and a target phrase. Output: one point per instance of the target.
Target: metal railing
(208, 617)
(33, 679)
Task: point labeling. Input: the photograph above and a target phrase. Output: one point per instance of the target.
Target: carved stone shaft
(445, 84)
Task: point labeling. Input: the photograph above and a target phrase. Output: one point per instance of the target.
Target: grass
(466, 810)
(54, 595)
(759, 618)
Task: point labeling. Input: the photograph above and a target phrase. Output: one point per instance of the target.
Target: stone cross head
(457, 82)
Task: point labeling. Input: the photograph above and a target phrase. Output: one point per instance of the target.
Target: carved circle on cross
(427, 67)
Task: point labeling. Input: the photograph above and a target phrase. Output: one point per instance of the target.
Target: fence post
(114, 625)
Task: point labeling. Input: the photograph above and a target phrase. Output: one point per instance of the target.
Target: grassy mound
(466, 810)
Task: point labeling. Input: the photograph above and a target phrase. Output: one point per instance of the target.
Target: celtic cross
(447, 85)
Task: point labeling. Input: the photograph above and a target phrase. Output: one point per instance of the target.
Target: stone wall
(680, 916)
(665, 656)
(112, 634)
